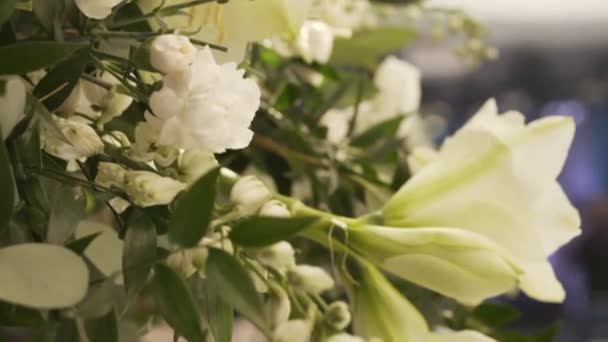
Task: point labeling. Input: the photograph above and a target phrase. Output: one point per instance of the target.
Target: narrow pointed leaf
(193, 211)
(139, 254)
(33, 55)
(7, 184)
(262, 231)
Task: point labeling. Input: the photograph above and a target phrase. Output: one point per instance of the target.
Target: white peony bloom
(12, 102)
(249, 194)
(344, 337)
(96, 9)
(280, 256)
(398, 84)
(171, 53)
(69, 139)
(315, 42)
(209, 106)
(275, 208)
(496, 177)
(110, 175)
(147, 188)
(194, 163)
(296, 330)
(311, 279)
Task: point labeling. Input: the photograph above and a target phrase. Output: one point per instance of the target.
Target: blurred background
(553, 60)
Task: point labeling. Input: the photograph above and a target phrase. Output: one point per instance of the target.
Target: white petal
(539, 282)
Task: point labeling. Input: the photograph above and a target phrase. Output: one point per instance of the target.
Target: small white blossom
(275, 208)
(278, 306)
(171, 53)
(338, 315)
(249, 194)
(296, 330)
(96, 9)
(279, 256)
(110, 175)
(70, 139)
(315, 42)
(147, 188)
(12, 102)
(209, 106)
(102, 103)
(310, 279)
(398, 84)
(344, 337)
(194, 163)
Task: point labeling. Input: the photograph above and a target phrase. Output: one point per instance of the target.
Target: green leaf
(80, 245)
(7, 184)
(366, 47)
(226, 273)
(193, 211)
(105, 251)
(58, 83)
(47, 12)
(99, 300)
(103, 329)
(139, 255)
(42, 276)
(68, 208)
(220, 314)
(6, 10)
(382, 130)
(261, 231)
(495, 315)
(176, 304)
(33, 55)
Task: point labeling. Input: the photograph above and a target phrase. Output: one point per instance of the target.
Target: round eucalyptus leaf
(42, 276)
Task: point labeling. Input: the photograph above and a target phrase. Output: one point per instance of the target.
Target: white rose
(70, 139)
(12, 102)
(96, 9)
(147, 188)
(315, 42)
(171, 53)
(209, 106)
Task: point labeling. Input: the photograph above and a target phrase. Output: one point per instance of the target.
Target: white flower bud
(194, 163)
(117, 139)
(338, 315)
(275, 208)
(344, 337)
(110, 175)
(12, 102)
(311, 279)
(70, 139)
(315, 42)
(96, 9)
(181, 262)
(296, 330)
(279, 256)
(249, 194)
(171, 53)
(119, 204)
(278, 306)
(165, 155)
(147, 188)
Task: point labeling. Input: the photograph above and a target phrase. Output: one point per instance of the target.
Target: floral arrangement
(206, 162)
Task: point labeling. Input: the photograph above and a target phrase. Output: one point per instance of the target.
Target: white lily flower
(209, 106)
(194, 163)
(496, 177)
(70, 139)
(315, 42)
(96, 9)
(311, 279)
(475, 266)
(249, 194)
(236, 23)
(171, 53)
(147, 188)
(12, 102)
